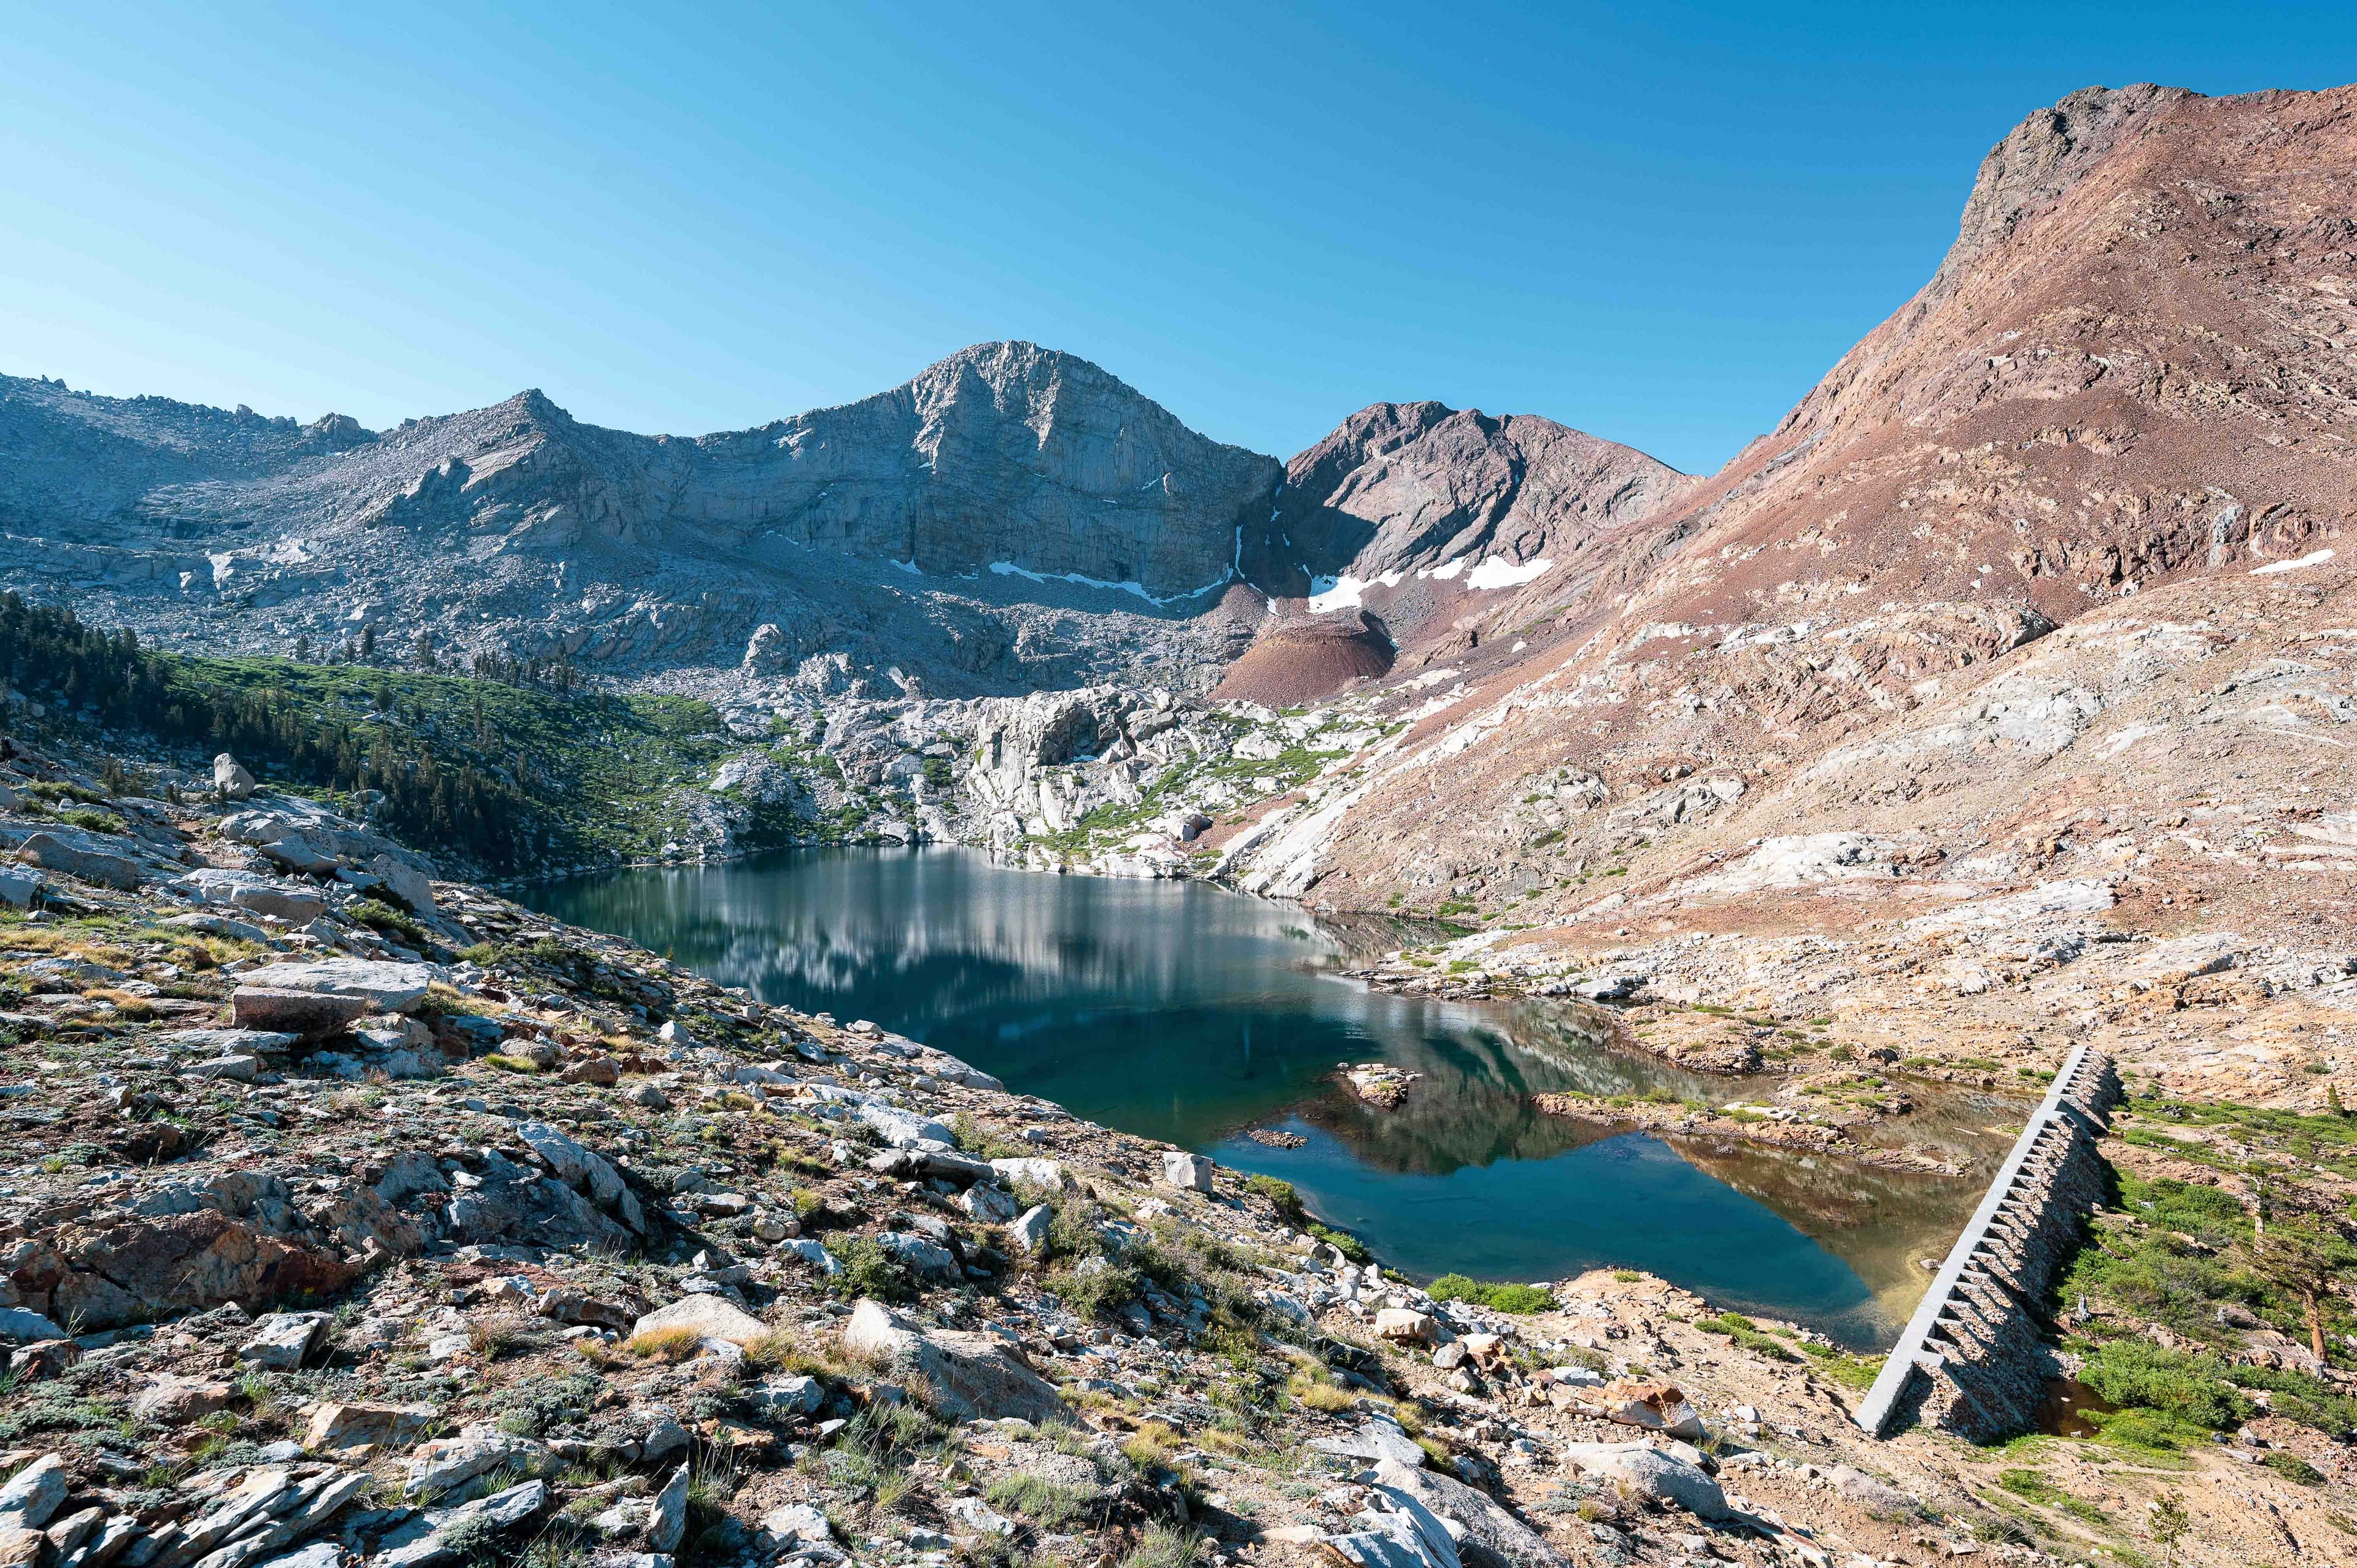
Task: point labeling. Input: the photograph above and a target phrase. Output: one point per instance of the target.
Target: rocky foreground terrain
(355, 1216)
(1999, 701)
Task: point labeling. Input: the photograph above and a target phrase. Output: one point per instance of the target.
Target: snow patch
(2313, 558)
(1009, 569)
(1334, 593)
(1497, 572)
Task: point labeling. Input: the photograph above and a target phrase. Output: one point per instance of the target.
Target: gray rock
(259, 895)
(282, 1340)
(437, 1466)
(1036, 1172)
(405, 882)
(667, 1515)
(787, 1395)
(230, 778)
(708, 1317)
(23, 1325)
(234, 1069)
(318, 1554)
(921, 1256)
(903, 1129)
(1485, 1523)
(51, 852)
(217, 926)
(1653, 1474)
(584, 1170)
(796, 1524)
(33, 1493)
(229, 1041)
(384, 987)
(19, 889)
(1030, 1232)
(311, 1015)
(442, 1535)
(814, 1254)
(973, 1376)
(987, 1204)
(1188, 1172)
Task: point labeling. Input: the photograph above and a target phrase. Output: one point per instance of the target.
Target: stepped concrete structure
(1975, 1358)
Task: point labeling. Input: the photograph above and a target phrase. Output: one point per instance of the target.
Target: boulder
(925, 1259)
(443, 1464)
(1656, 1407)
(234, 1069)
(1653, 1474)
(337, 1426)
(708, 1317)
(566, 1304)
(667, 1515)
(309, 1015)
(228, 1042)
(33, 1493)
(51, 853)
(1030, 1232)
(973, 1376)
(283, 1341)
(1407, 1325)
(231, 780)
(1038, 1173)
(796, 1524)
(68, 1535)
(19, 889)
(136, 1273)
(176, 1401)
(781, 1396)
(1190, 1173)
(600, 1073)
(905, 1129)
(22, 1326)
(408, 886)
(1457, 1506)
(386, 987)
(445, 1535)
(584, 1170)
(987, 1204)
(217, 926)
(260, 895)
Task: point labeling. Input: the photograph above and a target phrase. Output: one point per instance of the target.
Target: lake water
(1182, 1012)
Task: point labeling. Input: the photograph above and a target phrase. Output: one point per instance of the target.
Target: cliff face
(1410, 487)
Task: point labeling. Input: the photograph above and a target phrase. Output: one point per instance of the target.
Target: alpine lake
(1183, 1012)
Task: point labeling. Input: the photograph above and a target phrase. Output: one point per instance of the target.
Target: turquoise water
(1182, 1012)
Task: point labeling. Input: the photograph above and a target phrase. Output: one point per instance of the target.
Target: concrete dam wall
(1975, 1360)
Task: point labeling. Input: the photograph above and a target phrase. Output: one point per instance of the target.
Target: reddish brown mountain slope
(2125, 390)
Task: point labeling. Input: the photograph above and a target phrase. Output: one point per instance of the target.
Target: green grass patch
(1497, 1295)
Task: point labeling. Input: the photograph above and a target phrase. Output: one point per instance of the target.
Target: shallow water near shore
(1186, 1013)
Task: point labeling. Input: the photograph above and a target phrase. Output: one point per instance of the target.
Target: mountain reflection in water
(1182, 1012)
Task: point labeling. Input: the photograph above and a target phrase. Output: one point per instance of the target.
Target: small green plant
(867, 1270)
(1501, 1297)
(2294, 1468)
(1163, 1547)
(1046, 1503)
(1748, 1334)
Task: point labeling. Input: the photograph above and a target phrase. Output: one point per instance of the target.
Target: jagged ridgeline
(503, 773)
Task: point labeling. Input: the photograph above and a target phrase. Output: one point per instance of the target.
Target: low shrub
(1498, 1296)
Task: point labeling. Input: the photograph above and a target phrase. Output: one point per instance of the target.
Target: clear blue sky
(1658, 222)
